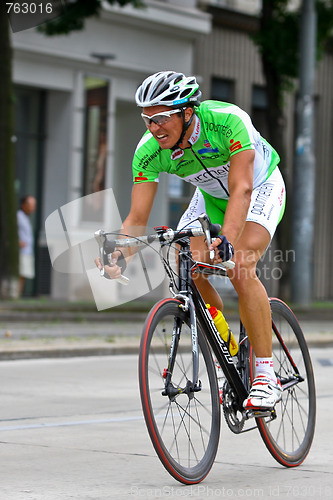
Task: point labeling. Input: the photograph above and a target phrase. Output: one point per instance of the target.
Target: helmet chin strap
(185, 128)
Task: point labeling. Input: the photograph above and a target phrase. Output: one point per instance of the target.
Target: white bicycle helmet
(168, 88)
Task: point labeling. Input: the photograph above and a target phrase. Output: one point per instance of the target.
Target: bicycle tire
(185, 432)
(289, 437)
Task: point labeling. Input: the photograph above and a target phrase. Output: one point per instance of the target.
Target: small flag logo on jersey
(208, 148)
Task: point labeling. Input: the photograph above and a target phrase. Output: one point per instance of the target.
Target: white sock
(264, 366)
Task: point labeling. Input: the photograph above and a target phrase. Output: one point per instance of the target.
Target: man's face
(168, 133)
(29, 206)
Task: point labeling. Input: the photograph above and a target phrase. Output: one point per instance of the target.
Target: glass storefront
(30, 136)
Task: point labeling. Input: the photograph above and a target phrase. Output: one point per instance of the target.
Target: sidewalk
(34, 328)
(41, 329)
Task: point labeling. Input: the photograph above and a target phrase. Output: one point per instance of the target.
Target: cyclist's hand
(112, 270)
(223, 249)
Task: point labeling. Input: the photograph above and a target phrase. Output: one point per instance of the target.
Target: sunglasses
(159, 118)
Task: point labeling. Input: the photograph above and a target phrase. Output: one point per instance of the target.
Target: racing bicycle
(181, 358)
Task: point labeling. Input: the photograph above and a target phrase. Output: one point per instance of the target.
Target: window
(95, 134)
(259, 110)
(222, 89)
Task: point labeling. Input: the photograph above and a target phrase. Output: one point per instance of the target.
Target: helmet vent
(170, 97)
(146, 90)
(185, 93)
(166, 88)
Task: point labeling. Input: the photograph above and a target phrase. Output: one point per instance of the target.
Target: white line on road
(66, 424)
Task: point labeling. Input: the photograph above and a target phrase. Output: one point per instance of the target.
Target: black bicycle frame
(219, 347)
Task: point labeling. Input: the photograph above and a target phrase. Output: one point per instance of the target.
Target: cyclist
(214, 146)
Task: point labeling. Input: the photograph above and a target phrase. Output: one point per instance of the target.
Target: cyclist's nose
(153, 127)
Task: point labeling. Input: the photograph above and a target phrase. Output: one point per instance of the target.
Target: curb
(26, 316)
(64, 351)
(122, 316)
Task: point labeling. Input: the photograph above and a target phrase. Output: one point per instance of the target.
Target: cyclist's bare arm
(240, 183)
(141, 204)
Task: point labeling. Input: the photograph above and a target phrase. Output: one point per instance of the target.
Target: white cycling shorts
(266, 208)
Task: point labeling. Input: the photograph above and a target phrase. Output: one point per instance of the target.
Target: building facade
(76, 121)
(231, 65)
(77, 124)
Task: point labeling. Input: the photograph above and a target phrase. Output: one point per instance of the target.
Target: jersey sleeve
(143, 166)
(241, 134)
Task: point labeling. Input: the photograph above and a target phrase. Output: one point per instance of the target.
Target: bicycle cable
(209, 172)
(166, 261)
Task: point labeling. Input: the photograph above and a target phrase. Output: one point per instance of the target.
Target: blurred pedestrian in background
(26, 240)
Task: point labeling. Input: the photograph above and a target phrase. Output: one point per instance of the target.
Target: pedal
(260, 413)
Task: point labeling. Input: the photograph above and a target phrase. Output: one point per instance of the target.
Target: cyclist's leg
(266, 209)
(253, 301)
(265, 212)
(255, 314)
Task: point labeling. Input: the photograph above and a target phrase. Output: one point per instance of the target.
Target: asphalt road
(73, 429)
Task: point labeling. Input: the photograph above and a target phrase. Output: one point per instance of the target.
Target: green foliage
(75, 13)
(325, 24)
(278, 37)
(277, 40)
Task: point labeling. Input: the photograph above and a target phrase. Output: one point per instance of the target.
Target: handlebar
(163, 235)
(106, 248)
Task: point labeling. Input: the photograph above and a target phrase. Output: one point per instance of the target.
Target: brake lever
(205, 222)
(101, 239)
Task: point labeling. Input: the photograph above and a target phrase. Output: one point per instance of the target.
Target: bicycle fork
(193, 385)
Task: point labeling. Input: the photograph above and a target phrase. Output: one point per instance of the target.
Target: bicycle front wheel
(289, 436)
(184, 425)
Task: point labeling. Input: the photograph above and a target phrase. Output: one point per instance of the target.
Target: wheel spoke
(184, 427)
(288, 437)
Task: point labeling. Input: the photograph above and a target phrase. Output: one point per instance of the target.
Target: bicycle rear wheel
(289, 436)
(184, 427)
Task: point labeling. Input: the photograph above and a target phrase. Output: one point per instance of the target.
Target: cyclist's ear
(188, 113)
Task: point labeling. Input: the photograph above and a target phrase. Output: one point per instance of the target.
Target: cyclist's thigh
(189, 219)
(215, 208)
(268, 202)
(202, 202)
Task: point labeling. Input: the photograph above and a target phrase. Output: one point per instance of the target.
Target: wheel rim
(181, 427)
(289, 436)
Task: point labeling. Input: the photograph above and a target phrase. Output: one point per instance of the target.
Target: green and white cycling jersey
(220, 131)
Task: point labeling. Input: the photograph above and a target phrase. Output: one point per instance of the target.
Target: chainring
(234, 418)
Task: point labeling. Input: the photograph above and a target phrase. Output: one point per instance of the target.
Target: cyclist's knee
(245, 267)
(199, 249)
(246, 258)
